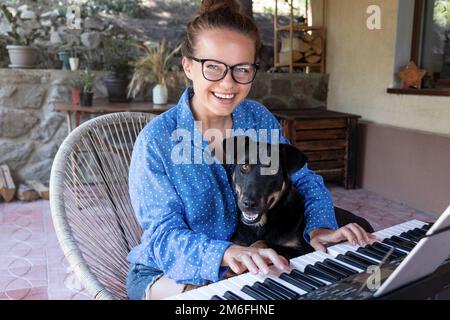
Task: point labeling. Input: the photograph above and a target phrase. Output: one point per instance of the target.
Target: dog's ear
(230, 148)
(292, 158)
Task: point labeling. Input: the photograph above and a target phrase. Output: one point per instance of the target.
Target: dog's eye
(245, 168)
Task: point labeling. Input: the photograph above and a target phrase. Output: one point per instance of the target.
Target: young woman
(188, 211)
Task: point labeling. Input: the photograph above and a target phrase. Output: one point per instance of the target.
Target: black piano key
(266, 290)
(215, 297)
(362, 259)
(369, 253)
(231, 296)
(420, 231)
(321, 274)
(296, 282)
(427, 226)
(312, 281)
(331, 270)
(283, 290)
(403, 242)
(396, 245)
(340, 266)
(416, 234)
(382, 253)
(254, 293)
(409, 237)
(351, 261)
(382, 246)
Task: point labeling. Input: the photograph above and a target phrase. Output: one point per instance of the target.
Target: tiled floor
(32, 265)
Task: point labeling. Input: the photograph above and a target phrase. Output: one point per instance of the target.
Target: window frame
(417, 36)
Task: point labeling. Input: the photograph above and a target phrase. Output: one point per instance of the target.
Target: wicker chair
(90, 204)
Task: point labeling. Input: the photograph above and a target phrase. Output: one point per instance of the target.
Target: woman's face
(219, 98)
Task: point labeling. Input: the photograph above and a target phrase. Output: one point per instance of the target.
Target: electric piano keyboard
(318, 275)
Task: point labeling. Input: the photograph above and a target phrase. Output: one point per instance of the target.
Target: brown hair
(225, 14)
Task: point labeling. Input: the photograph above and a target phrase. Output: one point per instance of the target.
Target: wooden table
(328, 138)
(103, 106)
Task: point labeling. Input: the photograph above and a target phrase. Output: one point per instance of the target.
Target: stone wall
(31, 131)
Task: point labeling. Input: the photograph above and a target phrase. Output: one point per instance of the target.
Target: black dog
(271, 209)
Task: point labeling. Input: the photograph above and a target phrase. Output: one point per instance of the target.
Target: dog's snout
(249, 204)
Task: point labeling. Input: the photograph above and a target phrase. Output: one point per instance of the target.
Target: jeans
(139, 278)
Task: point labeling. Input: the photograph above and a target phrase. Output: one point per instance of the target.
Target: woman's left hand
(351, 232)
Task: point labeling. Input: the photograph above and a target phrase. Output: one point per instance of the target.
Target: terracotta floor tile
(38, 293)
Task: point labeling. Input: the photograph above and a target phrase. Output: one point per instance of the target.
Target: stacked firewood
(305, 48)
(30, 190)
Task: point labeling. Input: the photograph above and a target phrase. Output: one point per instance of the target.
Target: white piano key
(416, 223)
(218, 288)
(242, 280)
(231, 286)
(203, 293)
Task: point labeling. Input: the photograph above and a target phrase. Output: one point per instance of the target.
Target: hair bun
(214, 5)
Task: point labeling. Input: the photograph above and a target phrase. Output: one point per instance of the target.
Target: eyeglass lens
(243, 73)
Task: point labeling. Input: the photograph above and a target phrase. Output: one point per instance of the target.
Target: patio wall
(406, 146)
(31, 131)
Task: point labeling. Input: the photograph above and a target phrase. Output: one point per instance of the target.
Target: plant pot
(22, 56)
(64, 56)
(75, 96)
(160, 94)
(117, 89)
(86, 99)
(74, 63)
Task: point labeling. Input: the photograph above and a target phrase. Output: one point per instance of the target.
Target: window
(431, 40)
(429, 43)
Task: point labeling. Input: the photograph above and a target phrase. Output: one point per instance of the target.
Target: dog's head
(261, 174)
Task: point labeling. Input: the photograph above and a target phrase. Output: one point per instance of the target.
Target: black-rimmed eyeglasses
(214, 70)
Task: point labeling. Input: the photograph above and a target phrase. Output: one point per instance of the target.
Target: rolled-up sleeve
(183, 255)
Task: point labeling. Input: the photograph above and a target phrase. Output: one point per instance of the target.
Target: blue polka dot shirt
(188, 211)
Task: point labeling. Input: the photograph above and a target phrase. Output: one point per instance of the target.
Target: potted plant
(64, 55)
(21, 54)
(117, 60)
(153, 68)
(75, 90)
(87, 84)
(74, 61)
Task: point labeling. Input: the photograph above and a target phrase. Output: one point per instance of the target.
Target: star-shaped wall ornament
(411, 76)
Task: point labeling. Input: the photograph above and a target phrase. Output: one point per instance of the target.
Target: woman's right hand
(255, 259)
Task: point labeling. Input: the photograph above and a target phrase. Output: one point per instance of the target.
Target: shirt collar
(242, 119)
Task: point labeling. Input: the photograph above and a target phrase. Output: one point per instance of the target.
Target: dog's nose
(249, 204)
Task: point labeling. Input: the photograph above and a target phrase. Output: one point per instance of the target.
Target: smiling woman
(188, 210)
